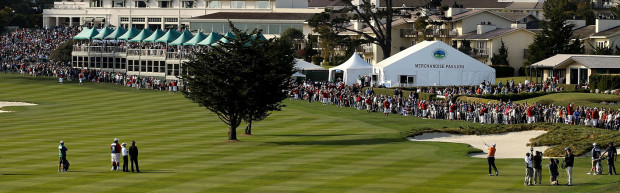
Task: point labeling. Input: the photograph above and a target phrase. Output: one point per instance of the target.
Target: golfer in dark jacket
(133, 155)
(538, 167)
(553, 171)
(569, 159)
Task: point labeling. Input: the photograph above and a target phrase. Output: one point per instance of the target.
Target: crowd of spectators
(507, 112)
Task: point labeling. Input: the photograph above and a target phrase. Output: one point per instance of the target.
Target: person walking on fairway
(125, 155)
(569, 159)
(115, 150)
(491, 159)
(612, 154)
(133, 154)
(62, 155)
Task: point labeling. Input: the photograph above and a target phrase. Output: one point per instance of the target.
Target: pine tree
(501, 58)
(556, 36)
(240, 80)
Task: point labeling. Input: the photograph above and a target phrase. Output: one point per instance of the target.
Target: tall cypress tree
(501, 58)
(557, 34)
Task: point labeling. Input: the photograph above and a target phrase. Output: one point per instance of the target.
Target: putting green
(304, 148)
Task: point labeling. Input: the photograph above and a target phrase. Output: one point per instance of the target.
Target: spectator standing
(133, 154)
(528, 170)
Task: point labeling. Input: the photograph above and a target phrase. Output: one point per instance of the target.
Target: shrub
(503, 71)
(471, 100)
(605, 81)
(390, 92)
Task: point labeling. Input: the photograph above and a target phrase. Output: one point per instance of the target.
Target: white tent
(432, 63)
(351, 70)
(303, 65)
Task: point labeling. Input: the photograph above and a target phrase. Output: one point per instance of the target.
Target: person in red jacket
(530, 114)
(452, 107)
(368, 104)
(595, 117)
(386, 107)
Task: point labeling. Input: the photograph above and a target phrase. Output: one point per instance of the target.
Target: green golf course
(184, 148)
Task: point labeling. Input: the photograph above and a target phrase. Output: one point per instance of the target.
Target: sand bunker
(509, 145)
(4, 104)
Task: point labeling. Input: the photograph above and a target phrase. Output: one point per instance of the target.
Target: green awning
(197, 38)
(145, 33)
(116, 33)
(253, 37)
(212, 38)
(184, 37)
(130, 34)
(170, 36)
(103, 33)
(156, 35)
(86, 34)
(224, 39)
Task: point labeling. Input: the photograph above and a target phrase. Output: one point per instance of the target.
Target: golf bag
(599, 165)
(65, 165)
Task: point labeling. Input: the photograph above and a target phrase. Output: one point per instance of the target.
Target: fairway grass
(183, 148)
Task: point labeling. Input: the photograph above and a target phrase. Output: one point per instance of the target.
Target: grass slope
(304, 148)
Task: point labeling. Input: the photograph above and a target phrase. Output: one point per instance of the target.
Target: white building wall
(470, 24)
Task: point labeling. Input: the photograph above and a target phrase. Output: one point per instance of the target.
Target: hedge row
(604, 81)
(473, 100)
(523, 95)
(390, 92)
(503, 71)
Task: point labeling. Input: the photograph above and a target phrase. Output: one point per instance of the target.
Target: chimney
(455, 11)
(578, 23)
(605, 24)
(485, 27)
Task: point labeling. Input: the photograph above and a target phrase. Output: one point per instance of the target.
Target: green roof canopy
(86, 34)
(170, 36)
(194, 41)
(145, 33)
(212, 38)
(253, 37)
(103, 33)
(116, 33)
(156, 35)
(130, 34)
(224, 39)
(184, 37)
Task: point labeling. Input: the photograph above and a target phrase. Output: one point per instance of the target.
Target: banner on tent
(449, 66)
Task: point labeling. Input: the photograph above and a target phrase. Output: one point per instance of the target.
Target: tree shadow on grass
(370, 141)
(16, 174)
(311, 135)
(156, 171)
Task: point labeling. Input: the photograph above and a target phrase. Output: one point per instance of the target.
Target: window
(237, 4)
(96, 3)
(215, 4)
(154, 20)
(407, 80)
(262, 5)
(117, 3)
(138, 19)
(165, 4)
(124, 19)
(172, 19)
(601, 44)
(526, 52)
(189, 4)
(140, 4)
(162, 66)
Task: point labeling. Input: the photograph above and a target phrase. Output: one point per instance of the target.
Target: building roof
(590, 61)
(585, 31)
(609, 32)
(470, 13)
(488, 35)
(525, 5)
(489, 4)
(257, 16)
(514, 16)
